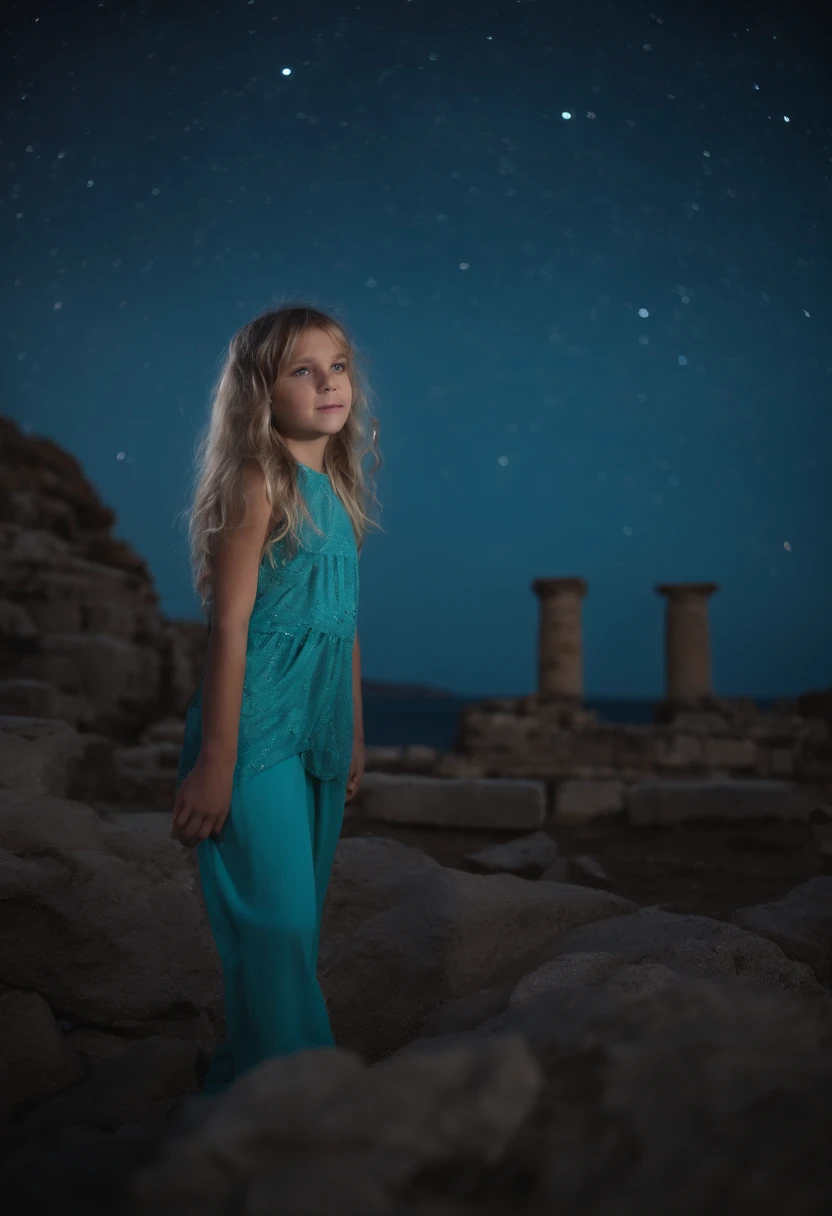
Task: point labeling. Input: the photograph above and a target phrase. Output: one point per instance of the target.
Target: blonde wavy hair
(241, 428)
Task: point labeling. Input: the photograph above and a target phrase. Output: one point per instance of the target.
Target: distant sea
(395, 720)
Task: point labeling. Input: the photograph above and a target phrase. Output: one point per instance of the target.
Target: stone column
(560, 661)
(687, 640)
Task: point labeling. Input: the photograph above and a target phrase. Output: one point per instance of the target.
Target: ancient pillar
(687, 640)
(560, 662)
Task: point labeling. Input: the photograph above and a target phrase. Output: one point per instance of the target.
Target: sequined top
(297, 691)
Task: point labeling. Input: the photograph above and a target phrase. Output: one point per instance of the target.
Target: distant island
(378, 688)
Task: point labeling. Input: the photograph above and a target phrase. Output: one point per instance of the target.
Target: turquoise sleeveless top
(297, 691)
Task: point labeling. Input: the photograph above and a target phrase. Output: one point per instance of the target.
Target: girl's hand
(356, 769)
(202, 803)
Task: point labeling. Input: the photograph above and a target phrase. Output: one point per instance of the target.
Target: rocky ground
(703, 868)
(604, 1018)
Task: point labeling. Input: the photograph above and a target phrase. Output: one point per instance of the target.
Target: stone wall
(533, 736)
(81, 635)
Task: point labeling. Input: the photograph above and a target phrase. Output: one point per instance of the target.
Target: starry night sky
(585, 248)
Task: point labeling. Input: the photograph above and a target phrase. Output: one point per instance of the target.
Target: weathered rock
(317, 1132)
(585, 869)
(383, 759)
(21, 698)
(16, 624)
(363, 880)
(448, 934)
(678, 751)
(462, 803)
(679, 801)
(35, 1059)
(166, 730)
(585, 968)
(578, 801)
(37, 753)
(95, 920)
(466, 1012)
(80, 612)
(559, 871)
(450, 764)
(96, 1044)
(534, 852)
(691, 945)
(51, 756)
(703, 1096)
(730, 755)
(149, 771)
(800, 923)
(143, 1079)
(417, 758)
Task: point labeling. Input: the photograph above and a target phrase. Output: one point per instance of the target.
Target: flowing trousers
(264, 883)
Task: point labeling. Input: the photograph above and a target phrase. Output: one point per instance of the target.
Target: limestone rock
(692, 945)
(35, 1059)
(104, 922)
(578, 801)
(536, 851)
(678, 801)
(800, 923)
(319, 1132)
(448, 934)
(146, 1077)
(363, 880)
(37, 753)
(461, 803)
(586, 869)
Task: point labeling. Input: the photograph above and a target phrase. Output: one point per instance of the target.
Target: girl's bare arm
(235, 573)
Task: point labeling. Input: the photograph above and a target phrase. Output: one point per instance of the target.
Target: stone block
(728, 754)
(416, 758)
(666, 802)
(595, 750)
(634, 747)
(29, 699)
(578, 801)
(678, 751)
(693, 722)
(37, 753)
(781, 762)
(452, 803)
(451, 764)
(383, 759)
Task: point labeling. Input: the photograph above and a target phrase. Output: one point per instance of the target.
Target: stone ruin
(82, 642)
(513, 1036)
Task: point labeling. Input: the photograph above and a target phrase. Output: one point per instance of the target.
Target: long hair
(241, 428)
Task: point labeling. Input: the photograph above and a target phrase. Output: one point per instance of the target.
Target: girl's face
(313, 383)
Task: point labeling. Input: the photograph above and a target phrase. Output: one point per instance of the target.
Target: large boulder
(38, 753)
(102, 915)
(35, 1059)
(688, 945)
(800, 923)
(317, 1132)
(708, 1096)
(446, 934)
(138, 1082)
(362, 882)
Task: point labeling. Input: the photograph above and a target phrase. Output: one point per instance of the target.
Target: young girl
(274, 740)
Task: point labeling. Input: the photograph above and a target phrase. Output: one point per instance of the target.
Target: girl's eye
(306, 369)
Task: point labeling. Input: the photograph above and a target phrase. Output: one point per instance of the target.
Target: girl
(274, 740)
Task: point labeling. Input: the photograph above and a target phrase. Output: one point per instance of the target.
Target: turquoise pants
(264, 883)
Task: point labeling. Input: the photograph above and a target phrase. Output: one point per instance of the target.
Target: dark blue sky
(584, 246)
